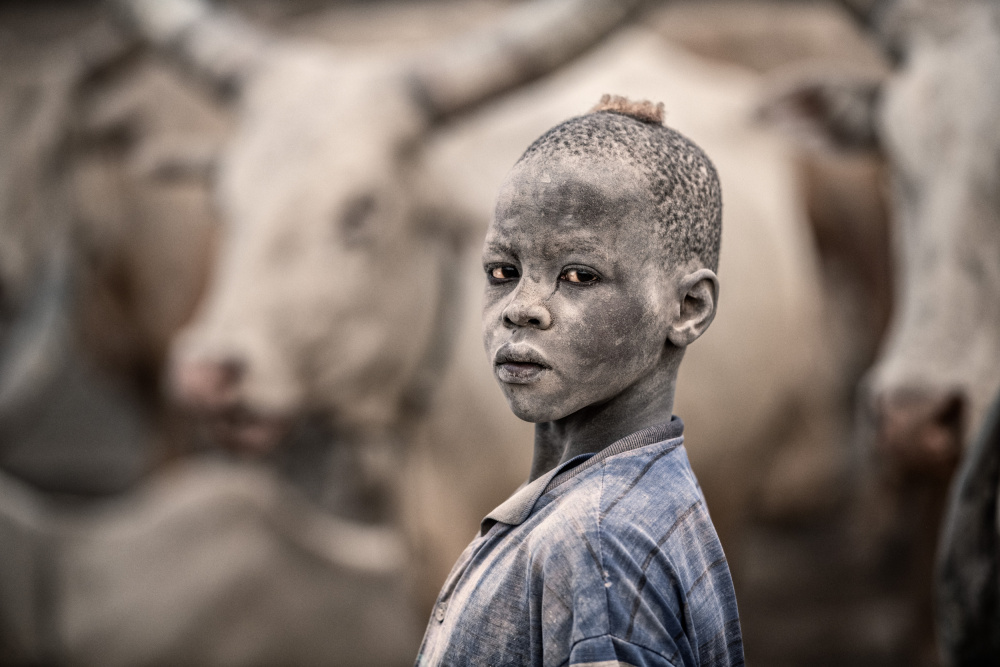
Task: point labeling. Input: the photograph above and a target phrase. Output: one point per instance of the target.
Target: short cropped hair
(683, 184)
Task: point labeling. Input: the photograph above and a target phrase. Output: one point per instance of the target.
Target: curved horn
(879, 18)
(215, 43)
(531, 41)
(864, 11)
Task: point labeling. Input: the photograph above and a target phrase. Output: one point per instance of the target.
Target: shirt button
(439, 614)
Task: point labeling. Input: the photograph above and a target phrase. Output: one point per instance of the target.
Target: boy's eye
(579, 276)
(505, 272)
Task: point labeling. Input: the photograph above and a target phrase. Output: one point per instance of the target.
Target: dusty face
(577, 303)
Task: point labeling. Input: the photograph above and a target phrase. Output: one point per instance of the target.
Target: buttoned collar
(516, 509)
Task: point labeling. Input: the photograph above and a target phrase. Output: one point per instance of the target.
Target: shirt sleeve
(609, 651)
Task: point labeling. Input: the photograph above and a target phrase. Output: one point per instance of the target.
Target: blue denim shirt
(609, 559)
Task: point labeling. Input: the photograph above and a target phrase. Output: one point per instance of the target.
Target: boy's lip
(518, 365)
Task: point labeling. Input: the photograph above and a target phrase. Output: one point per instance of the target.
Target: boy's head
(600, 261)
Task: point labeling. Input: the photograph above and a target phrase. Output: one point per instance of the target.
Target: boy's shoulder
(641, 503)
(611, 559)
(658, 475)
(646, 487)
(635, 524)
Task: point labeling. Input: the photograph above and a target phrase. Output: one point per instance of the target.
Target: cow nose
(207, 384)
(921, 432)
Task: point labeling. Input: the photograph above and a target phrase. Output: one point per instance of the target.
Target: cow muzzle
(920, 432)
(211, 388)
(207, 385)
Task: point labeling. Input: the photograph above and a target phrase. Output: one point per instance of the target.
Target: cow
(931, 387)
(935, 119)
(65, 425)
(104, 227)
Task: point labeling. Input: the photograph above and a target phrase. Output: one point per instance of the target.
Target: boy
(600, 265)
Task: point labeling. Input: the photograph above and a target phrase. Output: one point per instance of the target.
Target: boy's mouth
(518, 366)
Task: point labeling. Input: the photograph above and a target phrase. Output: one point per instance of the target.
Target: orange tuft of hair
(643, 110)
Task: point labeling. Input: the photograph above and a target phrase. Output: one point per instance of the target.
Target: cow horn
(531, 41)
(216, 44)
(878, 18)
(863, 11)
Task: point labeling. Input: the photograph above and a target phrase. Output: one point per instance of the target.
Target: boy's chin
(531, 409)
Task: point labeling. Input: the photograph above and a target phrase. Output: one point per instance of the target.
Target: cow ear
(837, 111)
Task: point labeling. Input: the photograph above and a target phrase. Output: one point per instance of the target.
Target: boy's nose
(523, 312)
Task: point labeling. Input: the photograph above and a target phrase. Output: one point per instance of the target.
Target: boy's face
(578, 300)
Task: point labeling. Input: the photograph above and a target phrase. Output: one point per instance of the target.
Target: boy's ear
(698, 295)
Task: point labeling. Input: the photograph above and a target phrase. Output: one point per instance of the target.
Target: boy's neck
(593, 428)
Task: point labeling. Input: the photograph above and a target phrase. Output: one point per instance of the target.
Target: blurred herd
(245, 416)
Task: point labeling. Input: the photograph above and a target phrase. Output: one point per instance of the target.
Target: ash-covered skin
(675, 175)
(588, 307)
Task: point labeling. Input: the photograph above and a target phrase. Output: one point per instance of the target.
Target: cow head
(936, 120)
(325, 296)
(321, 250)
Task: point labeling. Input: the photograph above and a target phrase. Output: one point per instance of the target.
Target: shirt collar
(516, 509)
